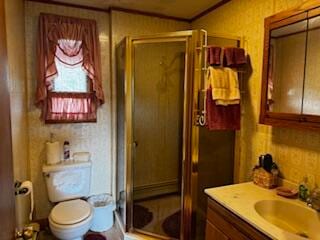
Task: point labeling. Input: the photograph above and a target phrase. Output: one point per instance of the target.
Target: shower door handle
(135, 144)
(134, 150)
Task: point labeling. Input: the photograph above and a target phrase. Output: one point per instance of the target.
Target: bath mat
(141, 216)
(171, 225)
(95, 236)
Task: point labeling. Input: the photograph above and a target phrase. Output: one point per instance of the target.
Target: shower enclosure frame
(194, 41)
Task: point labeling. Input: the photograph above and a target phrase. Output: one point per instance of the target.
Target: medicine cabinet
(290, 94)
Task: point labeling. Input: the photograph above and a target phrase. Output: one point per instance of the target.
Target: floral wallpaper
(92, 137)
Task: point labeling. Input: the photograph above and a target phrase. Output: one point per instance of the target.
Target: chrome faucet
(314, 199)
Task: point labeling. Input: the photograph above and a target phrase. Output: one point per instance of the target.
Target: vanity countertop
(240, 200)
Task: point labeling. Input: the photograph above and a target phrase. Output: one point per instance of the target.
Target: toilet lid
(70, 212)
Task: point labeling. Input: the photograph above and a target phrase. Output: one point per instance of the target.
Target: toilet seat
(70, 212)
(71, 232)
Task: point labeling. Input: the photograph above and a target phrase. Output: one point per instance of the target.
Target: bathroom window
(69, 81)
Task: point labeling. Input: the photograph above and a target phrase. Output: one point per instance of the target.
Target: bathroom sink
(290, 217)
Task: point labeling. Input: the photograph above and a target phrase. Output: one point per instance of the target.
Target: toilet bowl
(70, 220)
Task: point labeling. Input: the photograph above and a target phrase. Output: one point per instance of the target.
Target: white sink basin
(290, 217)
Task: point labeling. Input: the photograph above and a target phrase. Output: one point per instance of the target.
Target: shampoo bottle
(304, 189)
(66, 150)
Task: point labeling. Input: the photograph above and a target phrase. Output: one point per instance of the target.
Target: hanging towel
(220, 117)
(225, 85)
(240, 56)
(234, 57)
(214, 55)
(228, 57)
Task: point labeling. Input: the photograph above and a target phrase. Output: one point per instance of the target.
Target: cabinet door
(219, 227)
(213, 233)
(311, 96)
(286, 68)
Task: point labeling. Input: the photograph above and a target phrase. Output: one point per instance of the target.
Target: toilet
(67, 183)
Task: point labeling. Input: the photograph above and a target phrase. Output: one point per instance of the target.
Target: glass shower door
(121, 153)
(158, 79)
(157, 120)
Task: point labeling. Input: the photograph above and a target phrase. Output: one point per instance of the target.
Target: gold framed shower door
(192, 78)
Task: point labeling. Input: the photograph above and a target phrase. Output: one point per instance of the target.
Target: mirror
(286, 68)
(312, 71)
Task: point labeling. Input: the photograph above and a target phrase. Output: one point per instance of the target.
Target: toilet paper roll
(53, 152)
(25, 194)
(28, 185)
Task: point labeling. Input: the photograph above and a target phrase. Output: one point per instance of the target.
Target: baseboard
(44, 223)
(155, 189)
(118, 224)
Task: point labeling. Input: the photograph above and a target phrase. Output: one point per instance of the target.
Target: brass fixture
(314, 199)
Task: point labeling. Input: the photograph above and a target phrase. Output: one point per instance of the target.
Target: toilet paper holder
(18, 190)
(25, 189)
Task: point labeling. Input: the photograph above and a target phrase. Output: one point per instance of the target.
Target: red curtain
(73, 42)
(75, 107)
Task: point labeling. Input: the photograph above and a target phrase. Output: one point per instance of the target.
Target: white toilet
(66, 183)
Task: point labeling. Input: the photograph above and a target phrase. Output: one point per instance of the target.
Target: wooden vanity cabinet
(225, 225)
(290, 91)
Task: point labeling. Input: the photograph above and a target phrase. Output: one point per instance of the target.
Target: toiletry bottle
(66, 150)
(313, 200)
(304, 189)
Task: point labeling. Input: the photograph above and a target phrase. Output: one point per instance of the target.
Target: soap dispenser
(304, 189)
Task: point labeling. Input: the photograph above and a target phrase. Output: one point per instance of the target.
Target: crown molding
(133, 11)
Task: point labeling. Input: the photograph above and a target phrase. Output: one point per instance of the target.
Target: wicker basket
(265, 179)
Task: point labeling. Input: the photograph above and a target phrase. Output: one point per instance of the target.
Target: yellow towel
(225, 85)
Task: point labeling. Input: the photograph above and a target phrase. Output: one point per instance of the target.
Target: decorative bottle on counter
(66, 150)
(304, 189)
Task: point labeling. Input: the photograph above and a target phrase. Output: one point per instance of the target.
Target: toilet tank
(68, 180)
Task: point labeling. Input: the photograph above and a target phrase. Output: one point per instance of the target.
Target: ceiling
(186, 9)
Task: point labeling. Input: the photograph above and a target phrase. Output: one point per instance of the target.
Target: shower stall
(164, 159)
